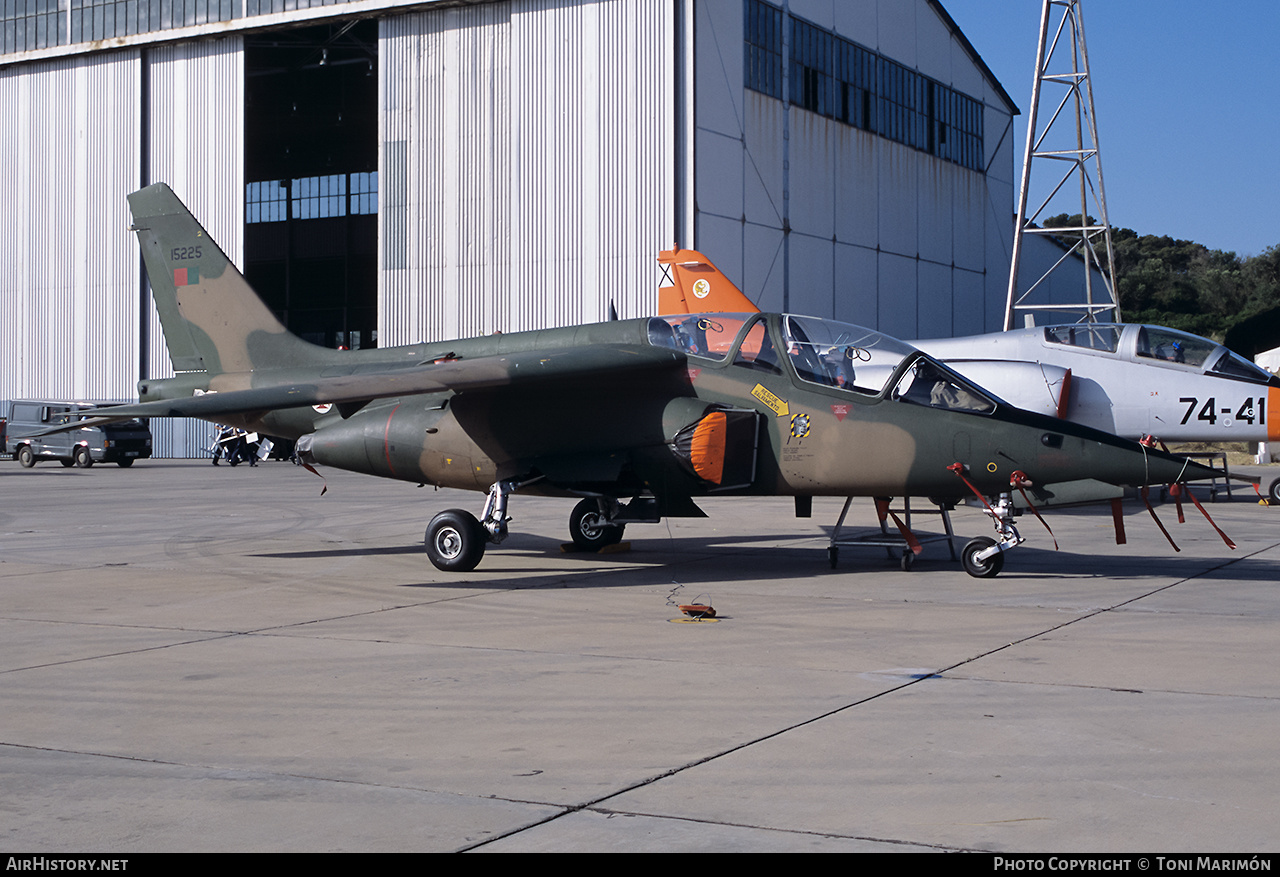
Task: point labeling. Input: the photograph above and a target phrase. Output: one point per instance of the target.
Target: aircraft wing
(459, 375)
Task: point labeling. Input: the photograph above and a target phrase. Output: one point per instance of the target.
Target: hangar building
(386, 172)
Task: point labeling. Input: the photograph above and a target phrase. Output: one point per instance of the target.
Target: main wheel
(591, 529)
(125, 463)
(981, 569)
(82, 457)
(26, 456)
(67, 464)
(1274, 491)
(455, 541)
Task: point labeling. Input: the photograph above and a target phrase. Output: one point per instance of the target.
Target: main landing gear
(456, 541)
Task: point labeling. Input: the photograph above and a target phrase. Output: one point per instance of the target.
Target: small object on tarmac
(698, 610)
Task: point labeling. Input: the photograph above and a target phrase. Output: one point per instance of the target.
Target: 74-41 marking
(1209, 411)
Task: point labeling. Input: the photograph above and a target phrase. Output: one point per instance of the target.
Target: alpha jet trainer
(1125, 378)
(636, 418)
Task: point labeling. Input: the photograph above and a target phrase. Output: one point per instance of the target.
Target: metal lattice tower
(1081, 156)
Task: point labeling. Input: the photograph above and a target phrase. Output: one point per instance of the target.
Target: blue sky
(1188, 108)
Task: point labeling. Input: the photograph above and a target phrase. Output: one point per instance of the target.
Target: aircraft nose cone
(1133, 464)
(1063, 451)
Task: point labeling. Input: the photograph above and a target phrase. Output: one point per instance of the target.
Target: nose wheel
(591, 526)
(982, 558)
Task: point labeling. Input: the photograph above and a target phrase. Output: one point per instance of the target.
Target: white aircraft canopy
(1158, 344)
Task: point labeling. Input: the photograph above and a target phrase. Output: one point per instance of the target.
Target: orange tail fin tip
(697, 286)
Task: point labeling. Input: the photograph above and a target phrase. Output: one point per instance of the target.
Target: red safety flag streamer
(1175, 491)
(1117, 518)
(882, 509)
(310, 469)
(1020, 480)
(958, 468)
(1224, 536)
(1143, 493)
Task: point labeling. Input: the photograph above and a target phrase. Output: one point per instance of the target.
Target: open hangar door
(311, 193)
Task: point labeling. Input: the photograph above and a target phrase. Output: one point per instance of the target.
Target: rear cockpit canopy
(1147, 343)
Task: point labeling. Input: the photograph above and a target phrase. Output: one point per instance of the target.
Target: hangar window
(855, 85)
(364, 194)
(839, 79)
(320, 197)
(812, 51)
(267, 201)
(31, 24)
(902, 104)
(312, 197)
(103, 19)
(763, 48)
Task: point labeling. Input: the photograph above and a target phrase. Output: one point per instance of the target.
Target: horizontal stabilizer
(523, 368)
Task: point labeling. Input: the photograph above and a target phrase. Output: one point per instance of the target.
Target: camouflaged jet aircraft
(636, 418)
(1133, 380)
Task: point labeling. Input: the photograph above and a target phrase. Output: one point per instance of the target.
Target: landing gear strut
(455, 540)
(983, 557)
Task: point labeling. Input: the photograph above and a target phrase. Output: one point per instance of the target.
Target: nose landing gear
(591, 524)
(983, 557)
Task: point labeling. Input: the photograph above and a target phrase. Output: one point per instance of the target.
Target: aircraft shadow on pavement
(520, 562)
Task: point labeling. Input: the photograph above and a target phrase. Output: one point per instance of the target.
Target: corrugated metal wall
(196, 120)
(68, 277)
(879, 233)
(527, 165)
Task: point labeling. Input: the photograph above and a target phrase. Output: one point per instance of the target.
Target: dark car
(119, 443)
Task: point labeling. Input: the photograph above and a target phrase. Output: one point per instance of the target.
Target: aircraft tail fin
(213, 320)
(698, 286)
